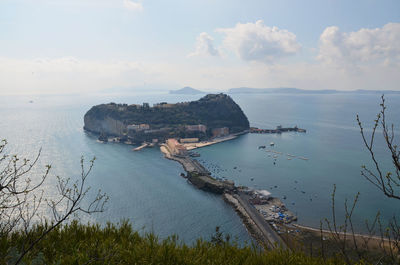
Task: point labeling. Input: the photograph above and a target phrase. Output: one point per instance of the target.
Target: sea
(147, 190)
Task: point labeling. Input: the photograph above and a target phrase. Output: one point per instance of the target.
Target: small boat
(303, 158)
(261, 147)
(271, 143)
(103, 137)
(194, 154)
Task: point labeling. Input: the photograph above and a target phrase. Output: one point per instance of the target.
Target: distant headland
(283, 90)
(291, 90)
(187, 91)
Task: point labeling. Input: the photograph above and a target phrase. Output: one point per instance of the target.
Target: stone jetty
(279, 129)
(242, 199)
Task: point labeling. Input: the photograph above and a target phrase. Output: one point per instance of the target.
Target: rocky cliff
(213, 111)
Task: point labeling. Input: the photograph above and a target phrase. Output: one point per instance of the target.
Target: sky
(86, 46)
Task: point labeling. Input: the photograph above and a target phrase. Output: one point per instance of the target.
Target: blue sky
(60, 46)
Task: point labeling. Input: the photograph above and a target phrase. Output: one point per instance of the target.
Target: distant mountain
(187, 91)
(288, 90)
(363, 91)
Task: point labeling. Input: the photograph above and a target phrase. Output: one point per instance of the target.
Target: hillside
(213, 111)
(76, 243)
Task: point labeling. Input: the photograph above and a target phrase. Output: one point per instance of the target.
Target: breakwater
(198, 175)
(239, 197)
(255, 224)
(279, 129)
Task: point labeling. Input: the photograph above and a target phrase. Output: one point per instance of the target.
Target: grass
(77, 243)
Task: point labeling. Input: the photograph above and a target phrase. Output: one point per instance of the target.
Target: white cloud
(258, 42)
(204, 46)
(379, 45)
(134, 6)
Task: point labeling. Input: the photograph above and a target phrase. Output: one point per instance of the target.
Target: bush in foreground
(76, 243)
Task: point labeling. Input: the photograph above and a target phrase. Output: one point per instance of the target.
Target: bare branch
(388, 183)
(21, 199)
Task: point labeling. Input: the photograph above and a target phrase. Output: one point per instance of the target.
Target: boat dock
(279, 129)
(200, 177)
(257, 226)
(140, 147)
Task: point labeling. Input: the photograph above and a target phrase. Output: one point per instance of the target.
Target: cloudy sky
(74, 46)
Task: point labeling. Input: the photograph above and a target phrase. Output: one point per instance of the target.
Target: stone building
(219, 132)
(196, 128)
(176, 148)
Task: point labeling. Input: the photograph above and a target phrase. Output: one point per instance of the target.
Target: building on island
(219, 132)
(176, 148)
(138, 127)
(189, 140)
(163, 105)
(135, 106)
(196, 128)
(133, 127)
(144, 126)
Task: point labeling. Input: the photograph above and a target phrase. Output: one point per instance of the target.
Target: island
(187, 91)
(212, 116)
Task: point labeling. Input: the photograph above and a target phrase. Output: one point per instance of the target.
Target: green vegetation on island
(212, 116)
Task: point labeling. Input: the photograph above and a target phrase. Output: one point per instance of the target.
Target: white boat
(303, 158)
(271, 143)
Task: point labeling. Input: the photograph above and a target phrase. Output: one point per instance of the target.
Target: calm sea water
(147, 190)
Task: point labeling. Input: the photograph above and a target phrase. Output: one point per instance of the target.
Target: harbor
(259, 211)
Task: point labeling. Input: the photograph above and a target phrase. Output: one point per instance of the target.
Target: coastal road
(198, 166)
(269, 234)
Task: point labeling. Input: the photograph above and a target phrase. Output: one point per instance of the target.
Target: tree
(350, 246)
(23, 200)
(388, 183)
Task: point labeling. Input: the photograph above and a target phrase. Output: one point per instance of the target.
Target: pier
(279, 129)
(267, 233)
(197, 174)
(200, 177)
(140, 147)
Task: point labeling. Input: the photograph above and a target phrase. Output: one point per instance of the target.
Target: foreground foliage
(24, 202)
(120, 244)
